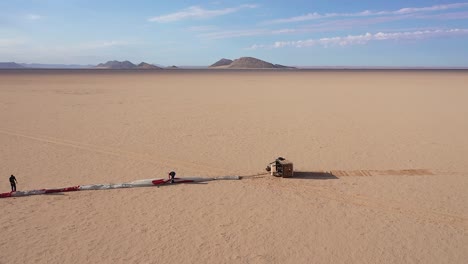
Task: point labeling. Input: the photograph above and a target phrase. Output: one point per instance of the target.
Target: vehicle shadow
(314, 175)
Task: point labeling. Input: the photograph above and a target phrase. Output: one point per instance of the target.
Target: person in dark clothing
(172, 176)
(13, 183)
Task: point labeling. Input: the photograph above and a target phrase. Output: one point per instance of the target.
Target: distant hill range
(127, 65)
(10, 65)
(14, 65)
(55, 66)
(247, 63)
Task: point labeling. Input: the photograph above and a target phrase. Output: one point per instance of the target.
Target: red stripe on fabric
(5, 195)
(159, 182)
(177, 180)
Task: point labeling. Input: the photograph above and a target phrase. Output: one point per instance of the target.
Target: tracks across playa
(387, 206)
(155, 159)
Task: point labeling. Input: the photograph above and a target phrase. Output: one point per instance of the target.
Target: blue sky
(295, 32)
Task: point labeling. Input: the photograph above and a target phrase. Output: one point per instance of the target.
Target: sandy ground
(394, 143)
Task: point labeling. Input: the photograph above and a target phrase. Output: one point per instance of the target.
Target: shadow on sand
(59, 193)
(314, 175)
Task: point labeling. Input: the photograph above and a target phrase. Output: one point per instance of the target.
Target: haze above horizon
(297, 33)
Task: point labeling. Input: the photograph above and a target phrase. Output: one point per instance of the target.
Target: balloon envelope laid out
(133, 184)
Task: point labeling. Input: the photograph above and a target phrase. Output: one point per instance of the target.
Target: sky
(410, 33)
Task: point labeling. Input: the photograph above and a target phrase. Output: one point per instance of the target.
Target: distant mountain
(147, 66)
(172, 67)
(247, 63)
(10, 65)
(126, 65)
(118, 65)
(221, 62)
(55, 66)
(251, 63)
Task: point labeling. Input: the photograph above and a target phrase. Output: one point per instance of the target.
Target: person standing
(172, 176)
(13, 183)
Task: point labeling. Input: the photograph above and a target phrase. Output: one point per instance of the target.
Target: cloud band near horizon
(365, 13)
(363, 39)
(196, 12)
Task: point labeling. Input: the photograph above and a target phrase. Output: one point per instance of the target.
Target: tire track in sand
(406, 172)
(430, 216)
(115, 152)
(387, 206)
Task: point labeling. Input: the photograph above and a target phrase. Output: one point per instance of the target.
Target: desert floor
(382, 159)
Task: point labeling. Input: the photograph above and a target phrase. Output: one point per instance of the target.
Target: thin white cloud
(320, 27)
(258, 46)
(202, 28)
(34, 17)
(364, 38)
(234, 33)
(402, 11)
(409, 10)
(329, 25)
(198, 12)
(101, 44)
